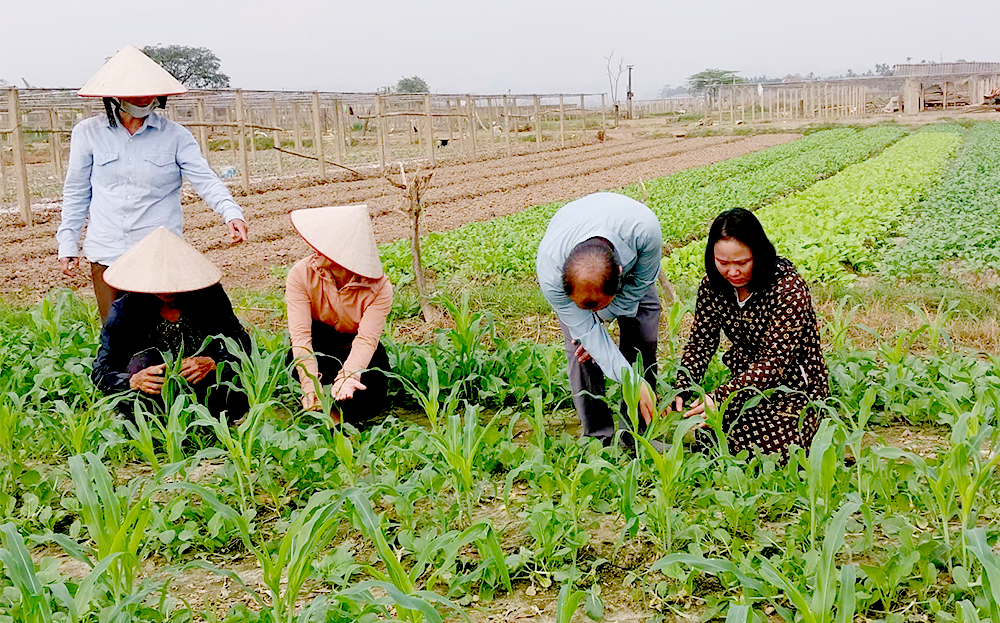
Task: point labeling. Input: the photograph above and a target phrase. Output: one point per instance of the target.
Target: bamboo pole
(451, 123)
(276, 136)
(380, 133)
(248, 111)
(470, 105)
(429, 129)
(20, 167)
(241, 128)
(202, 131)
(3, 169)
(54, 144)
(489, 106)
(506, 124)
(296, 126)
(338, 131)
(538, 123)
(562, 122)
(604, 119)
(318, 134)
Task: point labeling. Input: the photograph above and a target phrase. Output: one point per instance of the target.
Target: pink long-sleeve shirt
(359, 308)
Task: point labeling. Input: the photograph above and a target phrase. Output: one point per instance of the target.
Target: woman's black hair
(111, 107)
(740, 224)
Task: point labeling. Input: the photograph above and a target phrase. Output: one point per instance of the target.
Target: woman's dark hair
(111, 107)
(740, 224)
(593, 254)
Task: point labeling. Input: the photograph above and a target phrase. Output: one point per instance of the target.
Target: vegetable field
(476, 499)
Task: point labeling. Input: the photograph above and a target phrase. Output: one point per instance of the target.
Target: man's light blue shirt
(634, 232)
(131, 184)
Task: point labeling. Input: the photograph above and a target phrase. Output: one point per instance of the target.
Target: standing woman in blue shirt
(125, 171)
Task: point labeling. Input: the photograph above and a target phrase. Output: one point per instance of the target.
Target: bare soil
(461, 193)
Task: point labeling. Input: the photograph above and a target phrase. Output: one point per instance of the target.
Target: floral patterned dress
(775, 343)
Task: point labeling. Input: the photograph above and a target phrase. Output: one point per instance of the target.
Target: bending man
(598, 262)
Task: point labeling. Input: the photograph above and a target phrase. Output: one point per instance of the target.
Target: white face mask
(138, 111)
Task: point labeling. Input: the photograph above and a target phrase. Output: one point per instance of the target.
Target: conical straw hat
(162, 263)
(130, 73)
(343, 234)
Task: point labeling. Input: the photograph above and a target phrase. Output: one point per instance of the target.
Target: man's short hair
(593, 256)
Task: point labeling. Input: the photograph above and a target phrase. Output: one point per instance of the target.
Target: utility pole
(629, 93)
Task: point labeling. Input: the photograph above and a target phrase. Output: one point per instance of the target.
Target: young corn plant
(412, 605)
(569, 602)
(955, 479)
(430, 401)
(827, 591)
(33, 603)
(115, 522)
(242, 447)
(286, 563)
(459, 443)
(976, 542)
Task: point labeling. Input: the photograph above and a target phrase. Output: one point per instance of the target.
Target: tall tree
(197, 68)
(709, 80)
(413, 84)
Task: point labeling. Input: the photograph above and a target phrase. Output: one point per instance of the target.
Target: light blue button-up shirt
(130, 184)
(635, 234)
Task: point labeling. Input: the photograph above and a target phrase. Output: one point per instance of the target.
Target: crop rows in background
(961, 218)
(840, 227)
(683, 202)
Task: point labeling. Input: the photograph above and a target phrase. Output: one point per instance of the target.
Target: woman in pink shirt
(338, 299)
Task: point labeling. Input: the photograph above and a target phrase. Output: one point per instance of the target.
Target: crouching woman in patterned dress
(763, 306)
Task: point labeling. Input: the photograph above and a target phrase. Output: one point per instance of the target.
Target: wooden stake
(562, 122)
(20, 167)
(451, 122)
(253, 132)
(230, 134)
(3, 169)
(202, 130)
(318, 134)
(241, 128)
(604, 119)
(276, 136)
(54, 144)
(506, 124)
(381, 133)
(489, 106)
(470, 105)
(538, 123)
(429, 129)
(296, 126)
(338, 131)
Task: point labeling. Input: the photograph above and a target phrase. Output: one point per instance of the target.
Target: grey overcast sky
(478, 47)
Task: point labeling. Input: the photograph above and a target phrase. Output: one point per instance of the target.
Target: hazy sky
(478, 47)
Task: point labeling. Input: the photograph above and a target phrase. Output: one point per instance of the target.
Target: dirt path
(461, 193)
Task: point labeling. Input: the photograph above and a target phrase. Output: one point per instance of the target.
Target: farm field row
(843, 221)
(958, 221)
(460, 194)
(684, 203)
